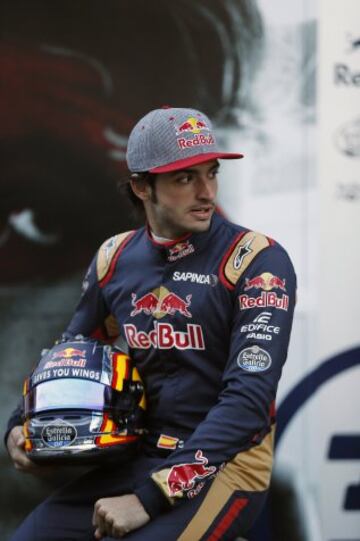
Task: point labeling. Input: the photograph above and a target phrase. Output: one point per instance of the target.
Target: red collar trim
(165, 244)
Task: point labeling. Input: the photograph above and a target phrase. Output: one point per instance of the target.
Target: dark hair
(127, 190)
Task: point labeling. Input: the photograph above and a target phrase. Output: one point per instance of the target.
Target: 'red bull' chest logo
(159, 303)
(183, 477)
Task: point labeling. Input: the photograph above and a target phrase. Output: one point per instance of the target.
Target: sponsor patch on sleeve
(107, 253)
(240, 255)
(254, 359)
(177, 481)
(167, 442)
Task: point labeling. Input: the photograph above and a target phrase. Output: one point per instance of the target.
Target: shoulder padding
(107, 252)
(241, 253)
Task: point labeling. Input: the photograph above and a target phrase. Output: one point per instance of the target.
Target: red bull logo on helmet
(265, 281)
(81, 363)
(67, 353)
(159, 303)
(182, 477)
(67, 357)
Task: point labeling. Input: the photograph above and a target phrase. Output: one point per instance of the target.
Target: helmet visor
(67, 393)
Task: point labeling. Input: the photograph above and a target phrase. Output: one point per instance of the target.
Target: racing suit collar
(167, 243)
(187, 244)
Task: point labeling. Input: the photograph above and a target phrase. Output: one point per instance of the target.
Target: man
(206, 308)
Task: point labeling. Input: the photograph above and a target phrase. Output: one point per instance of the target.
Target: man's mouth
(202, 212)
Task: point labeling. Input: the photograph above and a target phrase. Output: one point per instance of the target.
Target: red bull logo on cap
(159, 303)
(183, 477)
(192, 125)
(193, 129)
(265, 281)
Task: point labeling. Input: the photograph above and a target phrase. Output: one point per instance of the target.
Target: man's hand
(16, 447)
(118, 516)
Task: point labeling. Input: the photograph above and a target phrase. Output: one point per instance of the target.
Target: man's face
(182, 201)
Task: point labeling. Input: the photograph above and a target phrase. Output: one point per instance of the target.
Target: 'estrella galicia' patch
(254, 359)
(58, 434)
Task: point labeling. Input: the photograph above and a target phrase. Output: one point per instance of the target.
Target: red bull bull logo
(147, 303)
(181, 249)
(265, 281)
(159, 303)
(193, 129)
(68, 353)
(178, 248)
(183, 477)
(172, 304)
(192, 125)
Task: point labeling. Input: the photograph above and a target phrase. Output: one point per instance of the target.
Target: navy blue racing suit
(207, 319)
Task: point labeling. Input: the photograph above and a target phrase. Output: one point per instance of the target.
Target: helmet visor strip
(67, 393)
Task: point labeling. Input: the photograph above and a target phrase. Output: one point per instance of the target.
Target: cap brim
(195, 160)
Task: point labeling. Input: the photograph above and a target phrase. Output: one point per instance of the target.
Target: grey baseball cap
(172, 138)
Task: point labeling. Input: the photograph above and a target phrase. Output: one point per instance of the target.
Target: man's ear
(141, 188)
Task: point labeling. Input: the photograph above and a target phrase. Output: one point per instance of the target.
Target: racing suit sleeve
(92, 317)
(91, 313)
(237, 432)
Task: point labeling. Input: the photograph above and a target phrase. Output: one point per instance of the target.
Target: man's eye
(213, 174)
(184, 179)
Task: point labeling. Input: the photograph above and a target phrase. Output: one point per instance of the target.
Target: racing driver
(206, 309)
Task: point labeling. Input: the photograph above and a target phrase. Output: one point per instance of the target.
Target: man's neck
(160, 240)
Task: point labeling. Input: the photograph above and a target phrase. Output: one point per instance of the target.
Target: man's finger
(118, 532)
(94, 517)
(22, 462)
(20, 440)
(100, 520)
(98, 535)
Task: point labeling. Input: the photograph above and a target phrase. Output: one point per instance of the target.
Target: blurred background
(281, 81)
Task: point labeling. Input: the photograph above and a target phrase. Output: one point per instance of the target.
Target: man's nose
(206, 189)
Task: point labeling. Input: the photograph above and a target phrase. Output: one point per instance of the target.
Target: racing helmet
(84, 401)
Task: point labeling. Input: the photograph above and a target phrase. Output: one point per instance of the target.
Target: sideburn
(152, 183)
